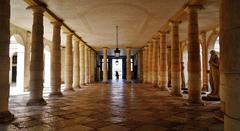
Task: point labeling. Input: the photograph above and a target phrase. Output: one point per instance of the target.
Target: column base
(6, 117)
(105, 82)
(26, 89)
(69, 89)
(211, 98)
(194, 103)
(205, 88)
(128, 82)
(176, 94)
(163, 88)
(77, 87)
(56, 94)
(36, 102)
(155, 86)
(185, 92)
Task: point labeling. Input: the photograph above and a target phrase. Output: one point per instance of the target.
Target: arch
(211, 40)
(19, 38)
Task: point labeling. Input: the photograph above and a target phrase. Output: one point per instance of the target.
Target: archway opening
(117, 69)
(16, 73)
(47, 70)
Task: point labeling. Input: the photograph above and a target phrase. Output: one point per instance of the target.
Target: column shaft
(163, 70)
(76, 70)
(82, 64)
(89, 65)
(194, 63)
(5, 115)
(36, 64)
(86, 65)
(150, 62)
(169, 65)
(230, 63)
(204, 62)
(146, 64)
(56, 60)
(175, 61)
(129, 73)
(140, 65)
(105, 69)
(68, 63)
(154, 63)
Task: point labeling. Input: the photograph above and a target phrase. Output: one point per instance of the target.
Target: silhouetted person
(117, 75)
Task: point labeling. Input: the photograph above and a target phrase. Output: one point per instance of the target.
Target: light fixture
(117, 51)
(117, 62)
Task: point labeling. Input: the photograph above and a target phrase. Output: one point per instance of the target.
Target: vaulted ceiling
(95, 20)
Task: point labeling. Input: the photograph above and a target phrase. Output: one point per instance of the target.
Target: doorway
(117, 71)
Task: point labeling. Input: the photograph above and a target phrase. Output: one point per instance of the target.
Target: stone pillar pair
(36, 63)
(175, 60)
(194, 63)
(204, 61)
(56, 60)
(82, 64)
(154, 63)
(5, 115)
(163, 67)
(128, 64)
(140, 65)
(76, 64)
(150, 45)
(145, 65)
(230, 63)
(105, 68)
(86, 51)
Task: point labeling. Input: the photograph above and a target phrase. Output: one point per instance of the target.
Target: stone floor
(113, 107)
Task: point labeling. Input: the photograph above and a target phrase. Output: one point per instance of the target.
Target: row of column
(156, 66)
(75, 69)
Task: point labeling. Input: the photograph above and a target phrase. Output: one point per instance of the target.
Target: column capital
(174, 22)
(37, 8)
(76, 39)
(105, 48)
(163, 32)
(193, 7)
(57, 23)
(68, 33)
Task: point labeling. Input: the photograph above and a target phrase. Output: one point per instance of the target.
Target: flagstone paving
(113, 107)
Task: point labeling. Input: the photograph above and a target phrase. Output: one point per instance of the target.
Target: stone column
(62, 65)
(56, 60)
(150, 62)
(68, 63)
(145, 64)
(27, 62)
(89, 65)
(105, 69)
(5, 115)
(154, 63)
(204, 62)
(128, 63)
(175, 60)
(169, 65)
(86, 65)
(36, 64)
(163, 70)
(140, 65)
(92, 66)
(82, 64)
(194, 63)
(230, 63)
(76, 70)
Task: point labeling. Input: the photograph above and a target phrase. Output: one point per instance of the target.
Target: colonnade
(75, 62)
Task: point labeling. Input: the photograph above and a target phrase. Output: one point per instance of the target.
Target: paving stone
(113, 107)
